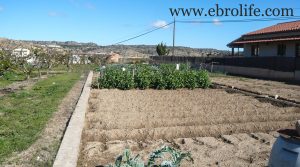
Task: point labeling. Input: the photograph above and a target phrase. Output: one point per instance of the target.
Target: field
(219, 128)
(284, 90)
(25, 113)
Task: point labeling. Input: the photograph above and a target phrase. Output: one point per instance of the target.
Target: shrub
(203, 80)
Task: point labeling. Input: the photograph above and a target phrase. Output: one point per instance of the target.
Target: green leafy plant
(127, 160)
(6, 64)
(164, 76)
(162, 49)
(114, 77)
(203, 80)
(144, 76)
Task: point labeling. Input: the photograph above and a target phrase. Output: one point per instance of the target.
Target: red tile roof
(268, 40)
(281, 27)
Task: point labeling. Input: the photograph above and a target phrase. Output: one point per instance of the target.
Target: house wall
(247, 50)
(270, 49)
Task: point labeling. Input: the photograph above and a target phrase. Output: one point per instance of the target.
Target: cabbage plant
(126, 160)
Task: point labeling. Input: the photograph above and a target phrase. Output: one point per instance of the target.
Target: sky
(106, 22)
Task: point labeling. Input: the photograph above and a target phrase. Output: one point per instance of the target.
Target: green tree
(162, 49)
(6, 64)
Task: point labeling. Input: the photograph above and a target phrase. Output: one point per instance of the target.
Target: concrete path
(68, 153)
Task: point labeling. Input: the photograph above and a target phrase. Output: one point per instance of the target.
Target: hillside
(124, 50)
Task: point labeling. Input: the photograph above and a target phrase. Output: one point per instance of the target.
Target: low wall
(256, 72)
(68, 152)
(277, 68)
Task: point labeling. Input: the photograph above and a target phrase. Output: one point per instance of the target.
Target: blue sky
(108, 21)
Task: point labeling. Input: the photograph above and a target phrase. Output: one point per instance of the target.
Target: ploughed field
(284, 90)
(217, 127)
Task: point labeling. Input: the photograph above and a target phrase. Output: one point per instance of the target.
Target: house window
(298, 50)
(254, 50)
(281, 50)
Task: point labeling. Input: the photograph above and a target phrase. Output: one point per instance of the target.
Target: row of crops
(142, 76)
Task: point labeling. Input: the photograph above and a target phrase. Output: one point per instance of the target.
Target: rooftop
(281, 27)
(262, 35)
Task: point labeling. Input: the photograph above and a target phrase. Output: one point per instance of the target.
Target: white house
(278, 40)
(21, 52)
(80, 59)
(53, 46)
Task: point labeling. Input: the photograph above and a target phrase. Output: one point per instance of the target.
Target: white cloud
(160, 23)
(217, 22)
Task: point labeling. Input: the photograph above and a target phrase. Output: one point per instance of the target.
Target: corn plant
(177, 157)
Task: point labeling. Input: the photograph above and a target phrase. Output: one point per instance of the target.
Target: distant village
(77, 57)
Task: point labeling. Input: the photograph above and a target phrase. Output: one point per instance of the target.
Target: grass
(4, 82)
(10, 78)
(24, 114)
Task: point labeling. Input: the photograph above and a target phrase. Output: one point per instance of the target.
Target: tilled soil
(217, 127)
(284, 90)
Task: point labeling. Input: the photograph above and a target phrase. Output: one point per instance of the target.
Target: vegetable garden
(214, 126)
(165, 76)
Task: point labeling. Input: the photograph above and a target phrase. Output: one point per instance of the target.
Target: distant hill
(150, 50)
(124, 50)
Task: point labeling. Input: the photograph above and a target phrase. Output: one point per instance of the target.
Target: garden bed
(215, 126)
(266, 87)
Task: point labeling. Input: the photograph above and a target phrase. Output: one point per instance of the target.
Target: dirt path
(212, 122)
(287, 91)
(43, 151)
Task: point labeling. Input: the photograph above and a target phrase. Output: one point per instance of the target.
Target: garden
(142, 115)
(143, 109)
(143, 76)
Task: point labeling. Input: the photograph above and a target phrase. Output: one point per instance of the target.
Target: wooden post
(232, 51)
(174, 31)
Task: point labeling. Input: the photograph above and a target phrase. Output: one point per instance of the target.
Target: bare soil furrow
(169, 133)
(218, 128)
(189, 121)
